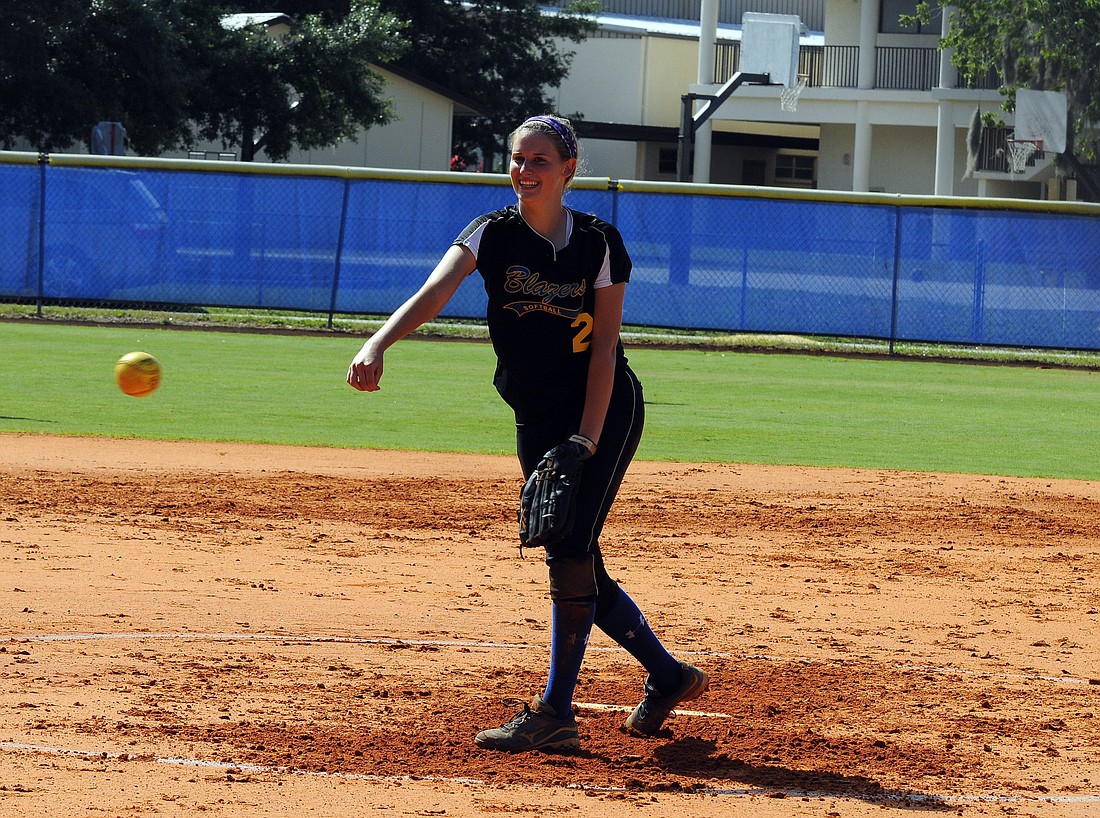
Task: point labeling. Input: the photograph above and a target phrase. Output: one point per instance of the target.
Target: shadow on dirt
(699, 759)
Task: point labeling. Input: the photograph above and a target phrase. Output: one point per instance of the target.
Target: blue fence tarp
(726, 260)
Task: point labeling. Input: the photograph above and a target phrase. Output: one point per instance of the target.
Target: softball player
(555, 280)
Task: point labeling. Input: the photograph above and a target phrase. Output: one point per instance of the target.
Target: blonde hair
(560, 130)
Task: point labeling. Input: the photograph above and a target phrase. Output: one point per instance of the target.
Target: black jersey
(541, 304)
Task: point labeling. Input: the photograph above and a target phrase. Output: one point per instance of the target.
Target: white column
(861, 150)
(949, 74)
(868, 39)
(945, 149)
(708, 37)
(945, 125)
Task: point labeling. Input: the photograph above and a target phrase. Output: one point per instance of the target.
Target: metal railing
(990, 80)
(993, 151)
(826, 66)
(837, 66)
(811, 12)
(907, 69)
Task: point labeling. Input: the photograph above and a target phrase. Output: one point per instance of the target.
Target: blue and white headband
(566, 135)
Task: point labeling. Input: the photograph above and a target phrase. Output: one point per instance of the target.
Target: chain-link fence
(162, 233)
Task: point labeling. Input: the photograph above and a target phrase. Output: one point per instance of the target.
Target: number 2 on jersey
(581, 340)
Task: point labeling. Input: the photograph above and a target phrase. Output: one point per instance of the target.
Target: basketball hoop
(788, 97)
(1020, 152)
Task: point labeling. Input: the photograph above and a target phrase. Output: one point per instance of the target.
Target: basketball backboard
(769, 45)
(1041, 115)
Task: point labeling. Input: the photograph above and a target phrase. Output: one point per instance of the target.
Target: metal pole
(43, 160)
(339, 253)
(686, 137)
(896, 276)
(708, 36)
(690, 122)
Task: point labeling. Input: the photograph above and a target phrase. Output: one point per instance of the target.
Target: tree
(1045, 45)
(331, 9)
(310, 89)
(166, 67)
(501, 54)
(67, 64)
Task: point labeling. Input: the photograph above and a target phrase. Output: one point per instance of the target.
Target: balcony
(837, 66)
(811, 12)
(993, 154)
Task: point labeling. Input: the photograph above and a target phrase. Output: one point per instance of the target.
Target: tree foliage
(163, 67)
(502, 55)
(1045, 45)
(332, 10)
(67, 64)
(310, 89)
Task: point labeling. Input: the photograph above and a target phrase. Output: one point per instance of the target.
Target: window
(790, 168)
(666, 160)
(754, 172)
(891, 10)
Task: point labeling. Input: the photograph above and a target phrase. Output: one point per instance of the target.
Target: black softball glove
(548, 502)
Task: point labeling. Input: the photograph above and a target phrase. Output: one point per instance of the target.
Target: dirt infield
(241, 631)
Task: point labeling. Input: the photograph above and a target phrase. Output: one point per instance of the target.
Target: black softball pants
(576, 564)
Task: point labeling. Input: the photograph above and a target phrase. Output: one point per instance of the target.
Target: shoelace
(522, 715)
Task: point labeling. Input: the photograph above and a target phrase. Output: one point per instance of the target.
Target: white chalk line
(619, 708)
(740, 792)
(473, 643)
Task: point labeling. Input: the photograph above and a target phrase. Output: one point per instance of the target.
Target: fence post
(977, 318)
(741, 322)
(339, 252)
(613, 186)
(43, 160)
(897, 275)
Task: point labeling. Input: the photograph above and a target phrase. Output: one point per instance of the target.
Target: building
(419, 138)
(883, 109)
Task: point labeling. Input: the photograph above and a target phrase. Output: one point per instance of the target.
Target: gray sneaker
(651, 713)
(535, 727)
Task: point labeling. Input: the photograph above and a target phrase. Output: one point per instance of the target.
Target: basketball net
(788, 97)
(1020, 152)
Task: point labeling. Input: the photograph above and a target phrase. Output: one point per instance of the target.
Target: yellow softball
(138, 374)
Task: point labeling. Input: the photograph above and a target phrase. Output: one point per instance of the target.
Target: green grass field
(438, 396)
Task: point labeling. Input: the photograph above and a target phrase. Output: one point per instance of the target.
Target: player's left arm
(606, 324)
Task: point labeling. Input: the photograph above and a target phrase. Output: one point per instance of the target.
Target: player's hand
(365, 370)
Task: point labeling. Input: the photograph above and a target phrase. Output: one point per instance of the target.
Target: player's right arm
(366, 368)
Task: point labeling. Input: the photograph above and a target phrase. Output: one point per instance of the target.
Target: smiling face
(538, 171)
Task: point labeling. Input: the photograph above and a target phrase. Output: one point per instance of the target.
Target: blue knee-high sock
(570, 626)
(626, 624)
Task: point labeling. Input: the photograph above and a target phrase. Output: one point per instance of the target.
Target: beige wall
(419, 139)
(608, 80)
(633, 80)
(903, 160)
(842, 19)
(612, 159)
(627, 80)
(671, 65)
(842, 22)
